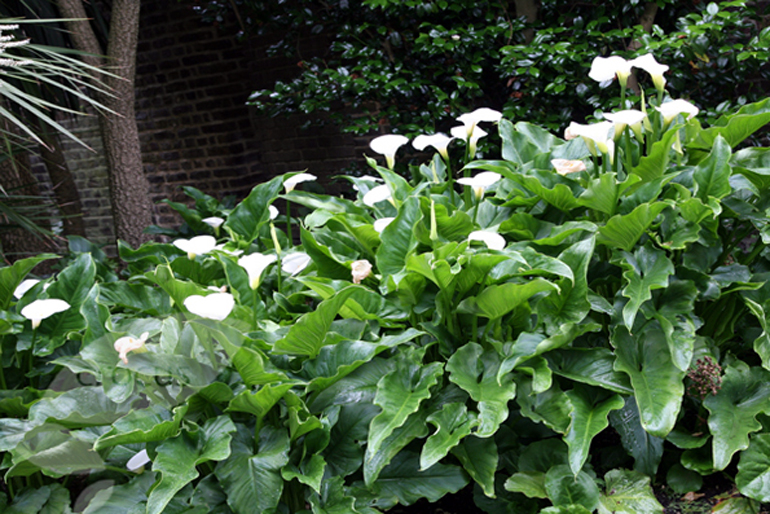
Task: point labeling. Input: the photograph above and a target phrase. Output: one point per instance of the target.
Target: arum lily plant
(424, 345)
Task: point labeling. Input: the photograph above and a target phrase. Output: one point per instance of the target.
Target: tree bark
(17, 180)
(646, 20)
(64, 187)
(129, 189)
(527, 8)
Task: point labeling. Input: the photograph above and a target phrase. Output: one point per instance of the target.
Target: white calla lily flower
(290, 183)
(656, 70)
(627, 117)
(438, 141)
(255, 264)
(198, 245)
(127, 344)
(213, 221)
(215, 306)
(138, 461)
(480, 183)
(604, 69)
(377, 194)
(39, 310)
(672, 109)
(596, 136)
(25, 286)
(471, 119)
(295, 262)
(388, 145)
(470, 137)
(360, 270)
(567, 166)
(272, 212)
(380, 224)
(493, 240)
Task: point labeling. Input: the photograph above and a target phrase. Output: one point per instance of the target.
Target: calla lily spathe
(493, 240)
(290, 183)
(272, 212)
(377, 194)
(25, 286)
(380, 224)
(480, 183)
(567, 166)
(470, 137)
(215, 306)
(213, 221)
(295, 262)
(388, 145)
(471, 119)
(255, 264)
(39, 310)
(138, 461)
(438, 141)
(198, 245)
(627, 117)
(607, 68)
(656, 70)
(670, 110)
(596, 135)
(127, 344)
(360, 270)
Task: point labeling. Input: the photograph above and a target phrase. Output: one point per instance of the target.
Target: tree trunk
(646, 21)
(64, 187)
(17, 180)
(129, 189)
(527, 8)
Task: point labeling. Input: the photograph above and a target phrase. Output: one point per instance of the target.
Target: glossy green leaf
(344, 454)
(571, 305)
(253, 481)
(12, 276)
(624, 230)
(496, 301)
(529, 483)
(753, 478)
(735, 127)
(259, 402)
(565, 488)
(177, 459)
(55, 451)
(745, 393)
(452, 424)
(144, 425)
(398, 241)
(712, 175)
(475, 371)
(327, 264)
(128, 498)
(565, 509)
(309, 333)
(399, 394)
(592, 366)
(657, 382)
(403, 480)
(590, 408)
(252, 213)
(646, 449)
(654, 165)
(479, 458)
(646, 270)
(48, 499)
(79, 407)
(628, 492)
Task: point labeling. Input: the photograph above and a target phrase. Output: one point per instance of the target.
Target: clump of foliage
(416, 65)
(420, 337)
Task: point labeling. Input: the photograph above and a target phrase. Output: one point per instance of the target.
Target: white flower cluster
(6, 42)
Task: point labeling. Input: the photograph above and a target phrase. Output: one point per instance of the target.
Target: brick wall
(193, 80)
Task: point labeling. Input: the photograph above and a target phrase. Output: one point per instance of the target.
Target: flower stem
(288, 222)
